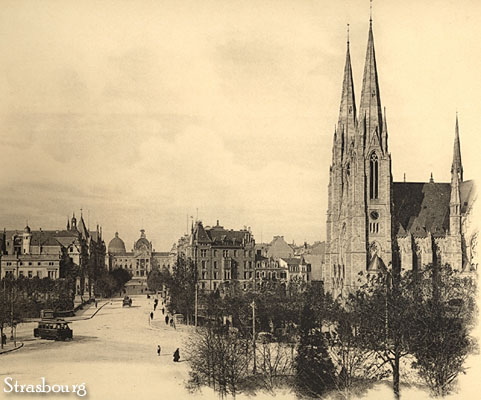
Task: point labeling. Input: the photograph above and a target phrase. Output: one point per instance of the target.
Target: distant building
(141, 260)
(277, 248)
(220, 255)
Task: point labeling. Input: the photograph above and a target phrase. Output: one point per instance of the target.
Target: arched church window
(374, 176)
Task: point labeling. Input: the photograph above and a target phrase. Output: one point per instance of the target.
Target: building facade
(140, 260)
(373, 222)
(53, 253)
(220, 255)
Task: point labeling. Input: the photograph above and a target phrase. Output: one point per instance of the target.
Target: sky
(146, 113)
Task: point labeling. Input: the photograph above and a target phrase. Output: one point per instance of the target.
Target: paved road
(114, 353)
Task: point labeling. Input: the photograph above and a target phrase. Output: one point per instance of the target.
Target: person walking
(151, 315)
(163, 310)
(158, 350)
(166, 320)
(176, 355)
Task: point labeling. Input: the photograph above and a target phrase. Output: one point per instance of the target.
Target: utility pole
(196, 304)
(253, 305)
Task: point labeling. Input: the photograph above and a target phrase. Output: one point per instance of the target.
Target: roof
(424, 207)
(116, 245)
(292, 261)
(219, 236)
(467, 190)
(421, 207)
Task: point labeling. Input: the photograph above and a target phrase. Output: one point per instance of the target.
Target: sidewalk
(10, 347)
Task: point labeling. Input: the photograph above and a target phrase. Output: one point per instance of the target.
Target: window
(39, 263)
(51, 274)
(30, 274)
(215, 264)
(235, 253)
(215, 253)
(226, 274)
(203, 253)
(204, 274)
(225, 253)
(215, 275)
(215, 285)
(21, 273)
(374, 177)
(202, 285)
(250, 264)
(245, 275)
(29, 263)
(204, 264)
(39, 274)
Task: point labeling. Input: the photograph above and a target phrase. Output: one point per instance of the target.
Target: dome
(142, 242)
(117, 245)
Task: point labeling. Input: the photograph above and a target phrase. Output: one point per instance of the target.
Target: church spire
(347, 110)
(370, 106)
(457, 166)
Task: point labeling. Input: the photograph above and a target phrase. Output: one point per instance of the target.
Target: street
(114, 354)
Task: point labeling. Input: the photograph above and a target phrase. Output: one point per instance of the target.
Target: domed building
(139, 262)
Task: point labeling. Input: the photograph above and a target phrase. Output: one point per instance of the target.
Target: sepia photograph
(258, 199)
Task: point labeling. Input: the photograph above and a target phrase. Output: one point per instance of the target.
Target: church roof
(424, 207)
(421, 207)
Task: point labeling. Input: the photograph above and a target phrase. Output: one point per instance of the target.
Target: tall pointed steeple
(370, 111)
(347, 110)
(457, 166)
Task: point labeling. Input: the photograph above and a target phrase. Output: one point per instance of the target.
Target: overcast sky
(142, 112)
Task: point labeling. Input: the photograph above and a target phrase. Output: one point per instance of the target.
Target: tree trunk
(395, 375)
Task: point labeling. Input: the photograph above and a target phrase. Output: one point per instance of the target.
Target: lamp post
(253, 305)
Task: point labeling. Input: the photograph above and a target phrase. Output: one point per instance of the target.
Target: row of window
(30, 274)
(51, 263)
(204, 264)
(226, 253)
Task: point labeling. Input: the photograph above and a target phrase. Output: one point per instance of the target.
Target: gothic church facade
(373, 222)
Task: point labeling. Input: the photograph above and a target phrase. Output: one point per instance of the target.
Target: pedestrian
(4, 339)
(166, 320)
(163, 310)
(151, 315)
(95, 303)
(176, 355)
(155, 306)
(171, 322)
(158, 350)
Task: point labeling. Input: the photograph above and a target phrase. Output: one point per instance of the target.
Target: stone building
(49, 253)
(140, 260)
(220, 255)
(373, 222)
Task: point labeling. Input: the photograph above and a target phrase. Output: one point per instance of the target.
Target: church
(374, 223)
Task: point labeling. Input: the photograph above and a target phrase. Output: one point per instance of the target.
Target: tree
(440, 325)
(383, 309)
(182, 287)
(315, 372)
(218, 358)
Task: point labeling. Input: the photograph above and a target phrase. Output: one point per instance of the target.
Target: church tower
(360, 184)
(378, 186)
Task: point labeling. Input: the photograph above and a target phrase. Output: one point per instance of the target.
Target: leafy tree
(441, 321)
(182, 287)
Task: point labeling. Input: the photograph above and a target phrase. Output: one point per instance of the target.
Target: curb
(10, 350)
(94, 314)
